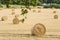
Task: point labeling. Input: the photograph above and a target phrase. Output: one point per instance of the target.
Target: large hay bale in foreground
(4, 18)
(15, 20)
(38, 30)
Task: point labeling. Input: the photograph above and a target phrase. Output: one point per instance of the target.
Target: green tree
(7, 3)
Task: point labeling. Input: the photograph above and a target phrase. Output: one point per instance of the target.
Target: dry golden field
(9, 31)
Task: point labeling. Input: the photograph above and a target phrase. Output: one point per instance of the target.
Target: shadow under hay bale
(38, 30)
(4, 18)
(15, 20)
(55, 16)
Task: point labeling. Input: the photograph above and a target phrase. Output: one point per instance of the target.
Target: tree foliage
(30, 2)
(21, 2)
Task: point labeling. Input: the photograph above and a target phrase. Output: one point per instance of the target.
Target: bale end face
(38, 30)
(15, 21)
(55, 16)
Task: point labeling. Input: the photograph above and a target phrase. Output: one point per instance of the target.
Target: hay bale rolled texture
(38, 30)
(15, 20)
(4, 18)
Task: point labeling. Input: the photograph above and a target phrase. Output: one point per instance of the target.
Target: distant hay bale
(39, 11)
(15, 20)
(53, 8)
(4, 18)
(34, 10)
(13, 13)
(54, 11)
(55, 16)
(38, 30)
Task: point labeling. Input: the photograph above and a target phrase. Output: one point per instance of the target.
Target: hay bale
(4, 18)
(34, 10)
(15, 20)
(55, 16)
(39, 11)
(54, 11)
(53, 8)
(38, 30)
(13, 13)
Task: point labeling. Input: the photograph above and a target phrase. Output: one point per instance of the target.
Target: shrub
(1, 6)
(52, 5)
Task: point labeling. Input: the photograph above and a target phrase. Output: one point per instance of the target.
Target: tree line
(28, 2)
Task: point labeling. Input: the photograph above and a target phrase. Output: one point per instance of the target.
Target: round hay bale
(34, 10)
(13, 13)
(15, 20)
(54, 11)
(55, 16)
(39, 11)
(53, 8)
(4, 18)
(38, 30)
